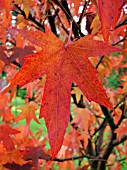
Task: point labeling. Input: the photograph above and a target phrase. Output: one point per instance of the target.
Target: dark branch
(82, 14)
(99, 62)
(109, 118)
(117, 142)
(30, 17)
(119, 41)
(124, 22)
(73, 158)
(51, 20)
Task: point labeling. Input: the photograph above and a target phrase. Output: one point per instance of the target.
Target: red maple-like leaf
(14, 166)
(5, 136)
(3, 56)
(62, 64)
(109, 12)
(35, 153)
(20, 53)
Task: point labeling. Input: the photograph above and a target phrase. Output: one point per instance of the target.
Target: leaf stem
(70, 34)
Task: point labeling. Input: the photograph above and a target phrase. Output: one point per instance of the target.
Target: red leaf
(14, 166)
(5, 136)
(109, 14)
(3, 56)
(36, 153)
(20, 53)
(76, 4)
(62, 65)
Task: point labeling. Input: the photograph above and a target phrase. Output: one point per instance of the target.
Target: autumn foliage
(63, 66)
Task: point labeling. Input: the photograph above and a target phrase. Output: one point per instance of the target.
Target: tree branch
(100, 127)
(51, 20)
(124, 38)
(64, 7)
(109, 118)
(124, 22)
(99, 62)
(62, 25)
(117, 142)
(30, 18)
(73, 158)
(107, 152)
(82, 14)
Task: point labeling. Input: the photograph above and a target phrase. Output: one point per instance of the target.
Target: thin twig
(119, 141)
(62, 25)
(82, 14)
(121, 23)
(99, 62)
(69, 38)
(30, 18)
(119, 41)
(73, 158)
(101, 126)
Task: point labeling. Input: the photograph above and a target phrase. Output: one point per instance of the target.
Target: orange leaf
(6, 4)
(121, 130)
(62, 64)
(26, 7)
(82, 118)
(1, 67)
(10, 157)
(76, 5)
(28, 113)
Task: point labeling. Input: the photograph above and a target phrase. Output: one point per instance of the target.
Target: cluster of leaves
(60, 52)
